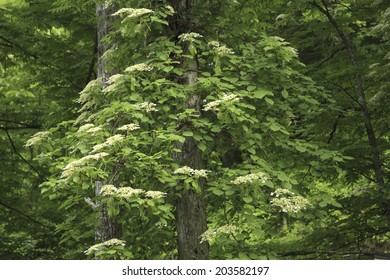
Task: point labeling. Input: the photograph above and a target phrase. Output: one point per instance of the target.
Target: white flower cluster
(147, 106)
(109, 243)
(290, 203)
(128, 192)
(155, 194)
(129, 127)
(90, 87)
(138, 68)
(189, 37)
(193, 172)
(220, 49)
(279, 192)
(209, 234)
(114, 78)
(213, 105)
(93, 130)
(123, 192)
(74, 165)
(108, 190)
(85, 127)
(132, 13)
(214, 44)
(109, 142)
(249, 178)
(112, 82)
(37, 138)
(90, 128)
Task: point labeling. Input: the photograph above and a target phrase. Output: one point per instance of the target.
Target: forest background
(184, 129)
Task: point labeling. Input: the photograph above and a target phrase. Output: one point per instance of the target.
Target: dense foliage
(286, 118)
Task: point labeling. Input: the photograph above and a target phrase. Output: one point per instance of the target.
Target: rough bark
(361, 98)
(191, 206)
(109, 228)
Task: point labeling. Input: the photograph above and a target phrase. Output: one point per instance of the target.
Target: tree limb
(92, 63)
(25, 215)
(13, 44)
(330, 56)
(21, 157)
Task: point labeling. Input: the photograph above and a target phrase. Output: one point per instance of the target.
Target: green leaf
(261, 93)
(269, 101)
(218, 192)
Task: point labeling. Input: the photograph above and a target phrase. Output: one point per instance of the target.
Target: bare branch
(21, 157)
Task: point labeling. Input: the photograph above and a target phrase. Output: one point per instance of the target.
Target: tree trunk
(359, 88)
(109, 228)
(191, 207)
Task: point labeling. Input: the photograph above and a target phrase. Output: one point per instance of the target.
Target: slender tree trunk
(109, 228)
(359, 88)
(190, 207)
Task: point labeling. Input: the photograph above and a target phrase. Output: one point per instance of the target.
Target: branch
(13, 44)
(346, 92)
(331, 135)
(14, 122)
(20, 127)
(92, 63)
(330, 56)
(21, 157)
(25, 215)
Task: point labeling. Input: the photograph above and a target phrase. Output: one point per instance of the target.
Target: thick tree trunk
(109, 228)
(190, 207)
(359, 88)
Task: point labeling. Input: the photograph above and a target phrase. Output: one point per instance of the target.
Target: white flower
(98, 147)
(85, 94)
(184, 170)
(287, 201)
(109, 243)
(209, 234)
(114, 139)
(74, 165)
(108, 190)
(220, 49)
(192, 172)
(189, 37)
(131, 13)
(214, 44)
(226, 98)
(122, 193)
(201, 172)
(93, 130)
(138, 68)
(114, 78)
(109, 142)
(260, 176)
(38, 138)
(147, 106)
(128, 192)
(155, 194)
(129, 127)
(85, 127)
